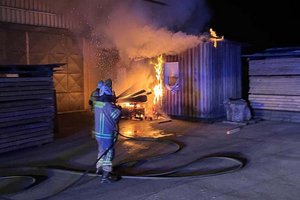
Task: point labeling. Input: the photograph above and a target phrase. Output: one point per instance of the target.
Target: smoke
(189, 16)
(139, 28)
(138, 76)
(123, 31)
(136, 40)
(143, 29)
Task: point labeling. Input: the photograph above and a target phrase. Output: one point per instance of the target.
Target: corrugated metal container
(32, 12)
(207, 77)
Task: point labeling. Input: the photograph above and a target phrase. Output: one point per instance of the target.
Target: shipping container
(207, 76)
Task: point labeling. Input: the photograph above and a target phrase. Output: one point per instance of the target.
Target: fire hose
(169, 174)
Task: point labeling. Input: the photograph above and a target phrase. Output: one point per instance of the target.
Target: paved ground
(271, 148)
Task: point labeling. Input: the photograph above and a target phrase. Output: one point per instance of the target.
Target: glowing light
(128, 133)
(158, 88)
(130, 105)
(126, 105)
(214, 37)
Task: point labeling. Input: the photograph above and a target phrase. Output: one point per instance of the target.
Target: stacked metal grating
(27, 106)
(274, 77)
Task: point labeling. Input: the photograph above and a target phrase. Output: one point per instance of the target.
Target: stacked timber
(27, 106)
(274, 91)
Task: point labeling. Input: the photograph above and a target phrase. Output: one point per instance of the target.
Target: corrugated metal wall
(12, 47)
(32, 12)
(207, 77)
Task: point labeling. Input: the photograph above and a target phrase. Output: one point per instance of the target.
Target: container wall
(207, 77)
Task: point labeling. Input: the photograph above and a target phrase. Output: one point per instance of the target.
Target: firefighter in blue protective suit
(106, 116)
(103, 93)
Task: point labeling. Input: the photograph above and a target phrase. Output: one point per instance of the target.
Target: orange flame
(214, 37)
(158, 88)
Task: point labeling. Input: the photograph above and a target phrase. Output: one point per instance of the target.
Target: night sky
(257, 23)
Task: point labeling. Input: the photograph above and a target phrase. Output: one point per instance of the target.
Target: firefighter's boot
(99, 171)
(108, 177)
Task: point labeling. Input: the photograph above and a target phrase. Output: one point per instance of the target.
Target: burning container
(199, 80)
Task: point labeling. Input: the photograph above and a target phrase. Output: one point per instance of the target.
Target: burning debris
(133, 105)
(133, 111)
(122, 33)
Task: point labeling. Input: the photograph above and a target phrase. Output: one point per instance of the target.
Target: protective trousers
(106, 120)
(106, 161)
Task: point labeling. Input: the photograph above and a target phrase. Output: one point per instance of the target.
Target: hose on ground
(167, 174)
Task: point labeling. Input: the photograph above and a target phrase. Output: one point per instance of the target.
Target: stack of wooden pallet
(27, 106)
(274, 84)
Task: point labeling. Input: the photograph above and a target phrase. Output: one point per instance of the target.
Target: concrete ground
(271, 148)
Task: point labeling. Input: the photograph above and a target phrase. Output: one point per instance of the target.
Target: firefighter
(103, 92)
(106, 92)
(106, 117)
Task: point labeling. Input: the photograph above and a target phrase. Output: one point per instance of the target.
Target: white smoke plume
(139, 28)
(122, 31)
(136, 40)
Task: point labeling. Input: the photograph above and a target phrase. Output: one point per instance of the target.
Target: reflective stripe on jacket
(107, 116)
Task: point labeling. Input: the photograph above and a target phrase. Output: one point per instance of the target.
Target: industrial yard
(271, 150)
(149, 99)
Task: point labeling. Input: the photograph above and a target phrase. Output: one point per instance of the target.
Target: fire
(130, 105)
(133, 110)
(158, 88)
(214, 37)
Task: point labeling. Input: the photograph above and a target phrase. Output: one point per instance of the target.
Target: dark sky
(261, 23)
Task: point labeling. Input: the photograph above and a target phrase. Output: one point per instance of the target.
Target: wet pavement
(272, 150)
